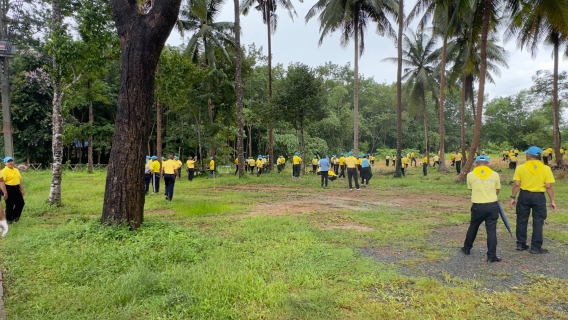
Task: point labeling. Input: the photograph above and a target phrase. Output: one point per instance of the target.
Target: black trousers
(387, 162)
(190, 173)
(425, 169)
(480, 212)
(14, 204)
(413, 160)
(296, 170)
(170, 180)
(352, 174)
(155, 182)
(314, 168)
(323, 178)
(279, 167)
(366, 175)
(535, 201)
(402, 170)
(237, 169)
(342, 173)
(147, 179)
(258, 171)
(458, 166)
(336, 169)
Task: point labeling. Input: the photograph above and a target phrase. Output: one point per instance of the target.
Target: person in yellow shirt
(279, 164)
(335, 164)
(251, 164)
(264, 164)
(393, 160)
(485, 185)
(211, 167)
(436, 160)
(331, 175)
(259, 166)
(562, 151)
(296, 165)
(533, 179)
(403, 165)
(359, 163)
(236, 165)
(178, 164)
(169, 173)
(516, 152)
(342, 165)
(387, 159)
(512, 161)
(155, 170)
(458, 159)
(425, 164)
(351, 163)
(14, 193)
(190, 166)
(372, 159)
(545, 155)
(453, 159)
(315, 164)
(412, 159)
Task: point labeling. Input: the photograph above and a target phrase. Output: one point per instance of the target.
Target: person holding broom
(485, 185)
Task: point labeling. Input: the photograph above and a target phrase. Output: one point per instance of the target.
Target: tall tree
(352, 17)
(544, 21)
(398, 172)
(420, 59)
(142, 37)
(270, 19)
(239, 89)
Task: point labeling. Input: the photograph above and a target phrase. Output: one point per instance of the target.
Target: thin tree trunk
(480, 92)
(442, 166)
(239, 90)
(426, 140)
(142, 38)
(398, 171)
(159, 130)
(91, 123)
(462, 118)
(356, 87)
(270, 124)
(249, 140)
(555, 106)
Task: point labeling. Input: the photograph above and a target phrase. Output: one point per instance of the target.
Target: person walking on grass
(366, 172)
(13, 192)
(485, 185)
(351, 163)
(342, 166)
(458, 160)
(169, 173)
(178, 166)
(155, 170)
(387, 160)
(190, 165)
(147, 174)
(259, 166)
(296, 165)
(251, 165)
(315, 164)
(324, 165)
(211, 167)
(425, 163)
(533, 178)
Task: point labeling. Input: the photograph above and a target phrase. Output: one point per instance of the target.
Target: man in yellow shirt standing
(259, 166)
(211, 167)
(412, 159)
(436, 160)
(169, 173)
(545, 154)
(14, 196)
(425, 163)
(512, 161)
(458, 159)
(485, 185)
(404, 164)
(315, 164)
(351, 163)
(342, 165)
(296, 165)
(155, 170)
(178, 164)
(533, 178)
(190, 165)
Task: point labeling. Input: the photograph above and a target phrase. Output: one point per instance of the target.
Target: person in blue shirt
(324, 168)
(366, 173)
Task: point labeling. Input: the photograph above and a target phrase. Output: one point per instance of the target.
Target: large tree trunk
(91, 123)
(271, 123)
(142, 38)
(480, 92)
(442, 166)
(398, 171)
(356, 87)
(555, 105)
(462, 118)
(239, 90)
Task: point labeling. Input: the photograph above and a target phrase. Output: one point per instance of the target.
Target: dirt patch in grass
(455, 268)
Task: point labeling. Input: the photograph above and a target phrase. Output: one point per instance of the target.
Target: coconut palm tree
(544, 21)
(270, 18)
(420, 60)
(352, 17)
(208, 36)
(400, 20)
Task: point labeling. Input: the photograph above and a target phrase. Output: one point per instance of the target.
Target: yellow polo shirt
(483, 183)
(458, 157)
(314, 161)
(296, 160)
(11, 177)
(155, 167)
(212, 165)
(351, 162)
(341, 161)
(190, 164)
(533, 175)
(425, 160)
(251, 162)
(283, 160)
(169, 166)
(512, 158)
(178, 163)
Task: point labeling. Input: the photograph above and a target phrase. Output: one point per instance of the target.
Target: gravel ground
(516, 269)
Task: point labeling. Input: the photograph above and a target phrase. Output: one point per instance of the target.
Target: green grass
(203, 256)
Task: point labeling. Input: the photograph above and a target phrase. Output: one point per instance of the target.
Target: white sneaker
(4, 227)
(358, 189)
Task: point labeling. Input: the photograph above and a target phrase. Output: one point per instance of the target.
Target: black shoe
(496, 259)
(539, 251)
(465, 251)
(522, 247)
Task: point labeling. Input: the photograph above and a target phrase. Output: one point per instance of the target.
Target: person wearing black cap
(533, 178)
(485, 185)
(14, 196)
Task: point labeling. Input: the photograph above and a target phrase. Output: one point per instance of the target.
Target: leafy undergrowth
(203, 256)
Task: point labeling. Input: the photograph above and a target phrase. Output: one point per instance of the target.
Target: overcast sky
(296, 41)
